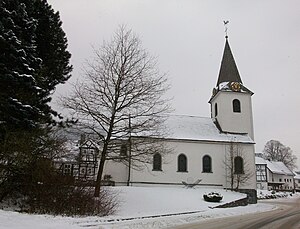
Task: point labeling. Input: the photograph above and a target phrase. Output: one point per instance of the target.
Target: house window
(261, 173)
(182, 163)
(123, 150)
(157, 162)
(238, 165)
(67, 169)
(279, 179)
(82, 170)
(206, 162)
(236, 104)
(87, 157)
(216, 109)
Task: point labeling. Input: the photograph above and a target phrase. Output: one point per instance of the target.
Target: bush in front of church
(213, 197)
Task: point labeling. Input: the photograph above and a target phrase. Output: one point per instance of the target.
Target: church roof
(229, 75)
(184, 127)
(228, 70)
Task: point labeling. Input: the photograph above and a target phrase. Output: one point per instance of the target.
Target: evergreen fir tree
(51, 46)
(19, 93)
(33, 61)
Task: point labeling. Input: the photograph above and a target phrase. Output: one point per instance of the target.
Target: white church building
(203, 146)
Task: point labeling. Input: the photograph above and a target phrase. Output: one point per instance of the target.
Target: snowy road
(287, 216)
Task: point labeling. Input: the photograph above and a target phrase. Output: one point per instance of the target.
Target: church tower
(231, 105)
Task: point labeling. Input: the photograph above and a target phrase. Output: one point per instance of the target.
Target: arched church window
(216, 109)
(206, 163)
(238, 165)
(182, 163)
(236, 105)
(157, 162)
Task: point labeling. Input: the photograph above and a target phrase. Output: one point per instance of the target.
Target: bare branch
(236, 175)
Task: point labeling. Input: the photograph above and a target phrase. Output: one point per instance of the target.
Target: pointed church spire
(228, 71)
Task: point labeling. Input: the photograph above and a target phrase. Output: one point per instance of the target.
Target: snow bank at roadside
(265, 194)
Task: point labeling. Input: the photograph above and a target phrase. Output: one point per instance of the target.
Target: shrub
(213, 197)
(271, 195)
(46, 191)
(71, 201)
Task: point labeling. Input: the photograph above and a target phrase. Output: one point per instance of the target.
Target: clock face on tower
(235, 86)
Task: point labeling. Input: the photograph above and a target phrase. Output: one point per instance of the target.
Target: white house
(273, 175)
(201, 146)
(297, 180)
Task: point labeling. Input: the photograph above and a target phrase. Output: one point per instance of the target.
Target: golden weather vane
(226, 28)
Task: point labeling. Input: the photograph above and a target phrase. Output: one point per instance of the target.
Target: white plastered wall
(230, 121)
(286, 180)
(194, 151)
(117, 170)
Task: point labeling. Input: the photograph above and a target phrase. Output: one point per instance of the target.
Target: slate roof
(228, 70)
(228, 73)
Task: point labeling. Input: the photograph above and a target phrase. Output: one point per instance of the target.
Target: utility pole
(129, 152)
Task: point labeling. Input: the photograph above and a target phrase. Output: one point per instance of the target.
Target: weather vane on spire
(226, 28)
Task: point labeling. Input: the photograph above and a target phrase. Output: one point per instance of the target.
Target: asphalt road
(287, 216)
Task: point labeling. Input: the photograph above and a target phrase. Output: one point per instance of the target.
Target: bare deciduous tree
(121, 97)
(237, 168)
(275, 151)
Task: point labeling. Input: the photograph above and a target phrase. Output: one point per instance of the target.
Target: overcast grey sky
(187, 36)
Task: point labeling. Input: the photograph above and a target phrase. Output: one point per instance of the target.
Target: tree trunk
(100, 171)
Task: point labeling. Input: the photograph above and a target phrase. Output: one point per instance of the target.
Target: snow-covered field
(141, 207)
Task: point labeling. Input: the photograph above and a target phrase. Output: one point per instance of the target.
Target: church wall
(118, 172)
(248, 154)
(194, 151)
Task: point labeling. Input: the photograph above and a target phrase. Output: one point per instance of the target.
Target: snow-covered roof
(276, 167)
(283, 168)
(260, 161)
(201, 129)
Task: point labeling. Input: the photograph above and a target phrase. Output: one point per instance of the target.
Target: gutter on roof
(205, 141)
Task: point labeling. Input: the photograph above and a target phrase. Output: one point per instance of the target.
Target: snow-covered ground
(142, 207)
